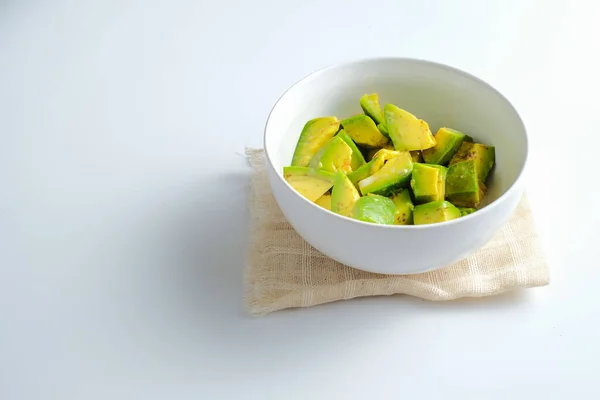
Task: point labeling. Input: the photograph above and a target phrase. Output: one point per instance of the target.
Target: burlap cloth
(283, 271)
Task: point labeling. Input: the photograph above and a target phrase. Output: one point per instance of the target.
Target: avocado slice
(343, 195)
(315, 134)
(310, 183)
(368, 169)
(428, 182)
(324, 201)
(417, 156)
(404, 208)
(436, 211)
(383, 129)
(357, 157)
(376, 209)
(483, 156)
(407, 131)
(466, 210)
(447, 143)
(363, 131)
(335, 155)
(394, 175)
(463, 188)
(371, 152)
(370, 105)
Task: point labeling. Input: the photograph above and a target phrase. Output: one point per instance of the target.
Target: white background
(123, 219)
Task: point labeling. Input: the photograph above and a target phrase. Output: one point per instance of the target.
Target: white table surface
(124, 189)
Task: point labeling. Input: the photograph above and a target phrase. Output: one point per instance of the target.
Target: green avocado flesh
(404, 208)
(483, 156)
(315, 134)
(370, 105)
(394, 175)
(436, 211)
(363, 131)
(310, 183)
(447, 142)
(407, 131)
(335, 156)
(428, 182)
(343, 195)
(357, 157)
(463, 188)
(376, 209)
(386, 167)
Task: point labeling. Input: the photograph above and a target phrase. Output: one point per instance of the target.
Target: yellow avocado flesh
(437, 211)
(370, 105)
(428, 182)
(379, 159)
(447, 143)
(343, 195)
(407, 131)
(310, 183)
(324, 201)
(463, 188)
(335, 155)
(364, 132)
(483, 156)
(315, 134)
(357, 158)
(404, 208)
(395, 174)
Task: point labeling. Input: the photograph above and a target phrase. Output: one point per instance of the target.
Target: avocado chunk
(463, 188)
(343, 195)
(371, 152)
(324, 201)
(428, 182)
(310, 183)
(447, 143)
(370, 105)
(315, 134)
(394, 175)
(407, 131)
(483, 156)
(404, 208)
(436, 211)
(335, 155)
(383, 129)
(417, 156)
(368, 169)
(375, 209)
(466, 210)
(363, 131)
(357, 157)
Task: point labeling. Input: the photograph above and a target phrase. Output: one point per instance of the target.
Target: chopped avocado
(394, 174)
(417, 156)
(315, 134)
(447, 142)
(376, 209)
(370, 105)
(371, 152)
(380, 158)
(363, 131)
(436, 211)
(343, 195)
(310, 183)
(335, 155)
(404, 208)
(383, 129)
(483, 156)
(428, 182)
(466, 210)
(463, 188)
(357, 156)
(324, 201)
(407, 131)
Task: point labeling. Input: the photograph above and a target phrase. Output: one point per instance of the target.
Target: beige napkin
(284, 271)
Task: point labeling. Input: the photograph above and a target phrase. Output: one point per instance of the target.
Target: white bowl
(442, 96)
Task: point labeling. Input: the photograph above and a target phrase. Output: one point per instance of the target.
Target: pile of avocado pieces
(411, 177)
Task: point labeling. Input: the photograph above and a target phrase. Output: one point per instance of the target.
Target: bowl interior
(440, 95)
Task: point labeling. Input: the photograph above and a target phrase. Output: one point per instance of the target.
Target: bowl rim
(488, 208)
